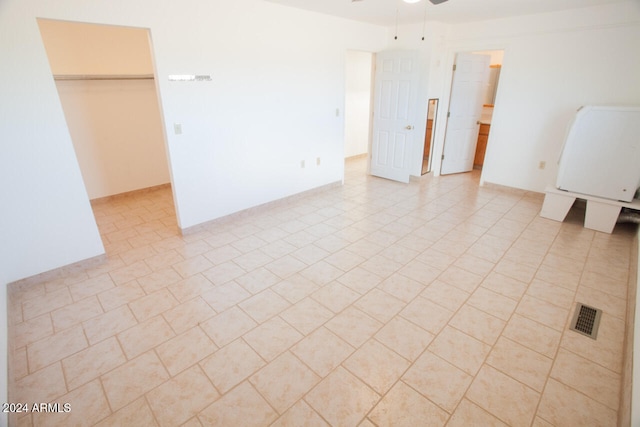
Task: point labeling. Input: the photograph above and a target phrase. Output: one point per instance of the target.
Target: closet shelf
(103, 77)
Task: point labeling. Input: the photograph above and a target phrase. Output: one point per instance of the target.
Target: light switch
(177, 128)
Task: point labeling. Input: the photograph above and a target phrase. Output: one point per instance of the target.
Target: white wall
(46, 220)
(278, 77)
(357, 109)
(115, 125)
(77, 48)
(588, 71)
(117, 134)
(553, 64)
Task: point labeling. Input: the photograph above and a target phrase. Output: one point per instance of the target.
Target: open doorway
(106, 84)
(472, 99)
(358, 103)
(489, 100)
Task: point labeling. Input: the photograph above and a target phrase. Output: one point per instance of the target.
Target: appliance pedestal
(601, 214)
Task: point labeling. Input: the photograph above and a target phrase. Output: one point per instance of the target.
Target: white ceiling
(383, 12)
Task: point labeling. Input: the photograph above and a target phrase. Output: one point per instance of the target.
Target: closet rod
(104, 77)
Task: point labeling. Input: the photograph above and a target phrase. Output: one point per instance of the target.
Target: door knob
(409, 127)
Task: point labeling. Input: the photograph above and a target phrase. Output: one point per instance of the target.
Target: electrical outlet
(302, 164)
(542, 164)
(177, 128)
(318, 161)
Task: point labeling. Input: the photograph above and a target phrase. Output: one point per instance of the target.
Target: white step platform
(601, 214)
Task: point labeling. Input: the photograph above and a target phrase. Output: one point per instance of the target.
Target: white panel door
(470, 78)
(396, 84)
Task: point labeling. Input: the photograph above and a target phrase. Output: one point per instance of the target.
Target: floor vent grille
(586, 320)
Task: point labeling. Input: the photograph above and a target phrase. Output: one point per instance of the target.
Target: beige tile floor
(375, 303)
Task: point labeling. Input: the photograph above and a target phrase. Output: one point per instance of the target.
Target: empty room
(188, 236)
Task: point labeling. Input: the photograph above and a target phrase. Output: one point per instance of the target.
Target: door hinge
(454, 67)
(448, 114)
(442, 158)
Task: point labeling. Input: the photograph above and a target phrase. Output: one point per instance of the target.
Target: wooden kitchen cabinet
(481, 147)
